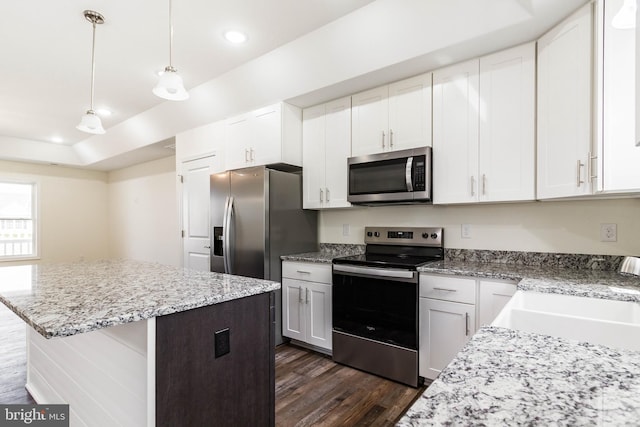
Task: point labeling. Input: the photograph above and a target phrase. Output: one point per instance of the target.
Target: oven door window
(378, 309)
(386, 176)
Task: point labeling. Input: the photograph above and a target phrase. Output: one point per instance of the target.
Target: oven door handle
(396, 273)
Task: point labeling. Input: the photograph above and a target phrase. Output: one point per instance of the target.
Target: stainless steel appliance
(394, 177)
(257, 216)
(375, 301)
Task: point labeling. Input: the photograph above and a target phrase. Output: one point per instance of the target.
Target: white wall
(143, 212)
(559, 226)
(73, 210)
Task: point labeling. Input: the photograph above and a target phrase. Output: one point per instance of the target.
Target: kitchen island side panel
(193, 387)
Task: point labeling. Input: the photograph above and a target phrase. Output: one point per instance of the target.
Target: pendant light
(90, 122)
(170, 84)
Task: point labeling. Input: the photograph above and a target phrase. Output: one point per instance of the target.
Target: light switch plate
(346, 229)
(466, 231)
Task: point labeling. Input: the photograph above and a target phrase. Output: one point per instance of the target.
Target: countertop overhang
(65, 299)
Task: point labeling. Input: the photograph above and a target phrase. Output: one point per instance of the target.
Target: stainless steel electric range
(375, 301)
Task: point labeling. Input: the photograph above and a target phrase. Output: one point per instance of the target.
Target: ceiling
(46, 59)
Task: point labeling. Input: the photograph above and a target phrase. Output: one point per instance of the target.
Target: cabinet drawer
(447, 288)
(309, 271)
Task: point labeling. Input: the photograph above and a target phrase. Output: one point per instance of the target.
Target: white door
(337, 145)
(455, 133)
(493, 297)
(507, 125)
(238, 140)
(410, 113)
(564, 107)
(196, 212)
(370, 121)
(445, 327)
(318, 306)
(293, 309)
(266, 134)
(313, 156)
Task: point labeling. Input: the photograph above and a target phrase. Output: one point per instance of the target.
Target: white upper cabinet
(483, 129)
(370, 121)
(507, 125)
(393, 117)
(455, 133)
(326, 136)
(265, 136)
(564, 107)
(410, 113)
(618, 156)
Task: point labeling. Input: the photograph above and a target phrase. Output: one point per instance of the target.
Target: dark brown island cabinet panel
(215, 365)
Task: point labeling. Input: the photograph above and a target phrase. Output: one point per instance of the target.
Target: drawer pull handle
(303, 272)
(444, 289)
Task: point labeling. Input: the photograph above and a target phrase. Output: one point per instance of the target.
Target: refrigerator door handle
(225, 236)
(228, 233)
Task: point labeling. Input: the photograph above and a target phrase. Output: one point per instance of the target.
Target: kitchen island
(136, 343)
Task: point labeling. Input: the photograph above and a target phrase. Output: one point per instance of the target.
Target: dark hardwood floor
(311, 390)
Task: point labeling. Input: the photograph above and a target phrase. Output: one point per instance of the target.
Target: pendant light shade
(90, 122)
(170, 84)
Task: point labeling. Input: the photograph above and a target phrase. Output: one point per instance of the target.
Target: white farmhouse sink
(598, 321)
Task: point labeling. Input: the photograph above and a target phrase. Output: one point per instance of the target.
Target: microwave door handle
(408, 176)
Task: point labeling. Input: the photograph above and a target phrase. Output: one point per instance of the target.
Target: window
(17, 221)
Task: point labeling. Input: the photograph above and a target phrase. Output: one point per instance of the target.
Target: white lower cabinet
(448, 309)
(306, 304)
(447, 320)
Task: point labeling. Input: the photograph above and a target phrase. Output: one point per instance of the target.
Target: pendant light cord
(93, 63)
(170, 36)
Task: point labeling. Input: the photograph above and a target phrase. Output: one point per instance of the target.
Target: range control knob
(425, 235)
(376, 234)
(434, 236)
(369, 234)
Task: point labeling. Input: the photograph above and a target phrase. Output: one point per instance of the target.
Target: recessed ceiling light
(235, 36)
(103, 112)
(57, 139)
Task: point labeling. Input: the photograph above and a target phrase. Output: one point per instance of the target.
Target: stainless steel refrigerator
(257, 216)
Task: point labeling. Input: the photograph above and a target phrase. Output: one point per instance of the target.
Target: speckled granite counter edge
(326, 253)
(74, 329)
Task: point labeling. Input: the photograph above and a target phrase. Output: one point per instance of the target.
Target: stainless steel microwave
(393, 177)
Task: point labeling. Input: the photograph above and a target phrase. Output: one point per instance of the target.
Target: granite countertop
(509, 377)
(571, 281)
(326, 253)
(65, 299)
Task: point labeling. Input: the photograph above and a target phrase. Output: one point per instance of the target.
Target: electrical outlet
(345, 229)
(608, 232)
(466, 231)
